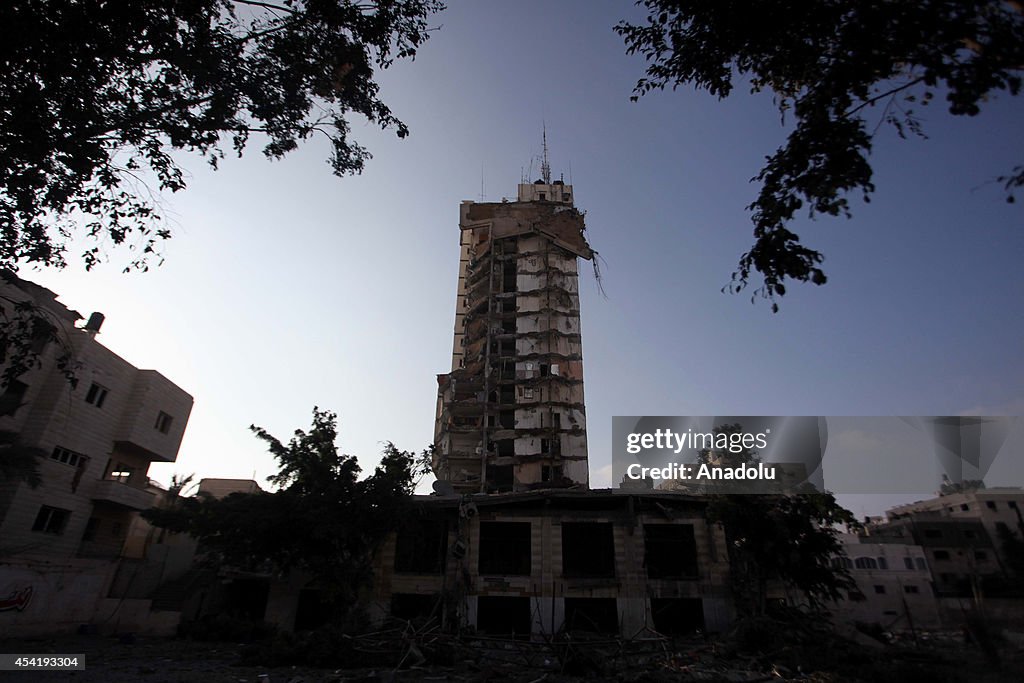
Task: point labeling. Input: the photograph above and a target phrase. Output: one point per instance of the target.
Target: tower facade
(510, 414)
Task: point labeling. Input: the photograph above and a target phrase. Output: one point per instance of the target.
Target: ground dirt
(155, 660)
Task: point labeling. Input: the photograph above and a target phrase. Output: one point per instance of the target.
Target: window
(670, 551)
(879, 589)
(96, 395)
(965, 506)
(163, 422)
(911, 589)
(921, 564)
(119, 472)
(588, 549)
(990, 504)
(90, 529)
(421, 546)
(596, 615)
(865, 563)
(63, 455)
(941, 554)
(505, 548)
(1012, 504)
(12, 398)
(527, 393)
(51, 520)
(551, 473)
(882, 563)
(908, 562)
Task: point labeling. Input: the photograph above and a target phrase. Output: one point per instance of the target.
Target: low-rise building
(94, 433)
(536, 563)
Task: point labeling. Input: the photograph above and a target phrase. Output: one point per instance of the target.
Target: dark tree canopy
(323, 519)
(839, 68)
(790, 539)
(96, 97)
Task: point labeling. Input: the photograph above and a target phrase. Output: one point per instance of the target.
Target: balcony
(122, 495)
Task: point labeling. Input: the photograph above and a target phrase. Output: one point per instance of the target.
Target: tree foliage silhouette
(323, 519)
(97, 97)
(830, 64)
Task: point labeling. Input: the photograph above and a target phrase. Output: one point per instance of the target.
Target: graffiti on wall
(17, 599)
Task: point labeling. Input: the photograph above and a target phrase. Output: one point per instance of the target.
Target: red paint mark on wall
(18, 599)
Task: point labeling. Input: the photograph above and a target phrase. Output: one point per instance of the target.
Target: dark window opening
(908, 562)
(509, 278)
(508, 327)
(941, 554)
(677, 616)
(990, 504)
(12, 398)
(96, 395)
(588, 549)
(965, 506)
(670, 551)
(163, 422)
(415, 607)
(505, 548)
(879, 589)
(91, 527)
(505, 616)
(506, 447)
(596, 615)
(550, 472)
(541, 196)
(492, 421)
(312, 611)
(911, 590)
(508, 419)
(507, 396)
(51, 520)
(500, 478)
(933, 533)
(544, 368)
(421, 547)
(65, 456)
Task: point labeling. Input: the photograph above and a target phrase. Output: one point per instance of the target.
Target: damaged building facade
(514, 543)
(533, 564)
(510, 414)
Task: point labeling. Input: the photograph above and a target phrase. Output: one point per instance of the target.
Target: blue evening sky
(285, 287)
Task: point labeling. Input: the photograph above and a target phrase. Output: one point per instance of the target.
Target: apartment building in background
(95, 435)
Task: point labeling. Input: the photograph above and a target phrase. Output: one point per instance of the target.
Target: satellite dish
(443, 488)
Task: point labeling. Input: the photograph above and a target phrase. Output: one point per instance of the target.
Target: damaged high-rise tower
(510, 414)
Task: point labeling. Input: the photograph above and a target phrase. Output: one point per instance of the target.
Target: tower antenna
(545, 168)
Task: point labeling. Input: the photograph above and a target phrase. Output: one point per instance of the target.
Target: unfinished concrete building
(510, 414)
(533, 564)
